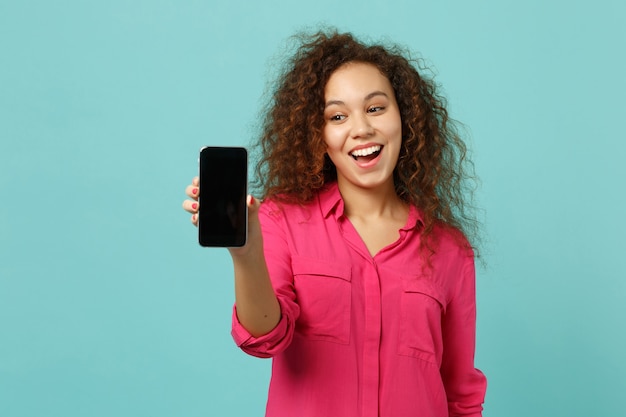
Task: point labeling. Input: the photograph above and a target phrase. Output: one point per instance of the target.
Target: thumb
(253, 207)
(253, 203)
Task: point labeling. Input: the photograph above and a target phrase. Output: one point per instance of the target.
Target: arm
(277, 256)
(465, 385)
(258, 310)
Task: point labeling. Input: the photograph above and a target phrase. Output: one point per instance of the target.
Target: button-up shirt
(361, 335)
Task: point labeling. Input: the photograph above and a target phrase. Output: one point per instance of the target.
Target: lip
(365, 146)
(368, 164)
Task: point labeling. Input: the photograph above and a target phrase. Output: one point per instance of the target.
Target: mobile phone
(223, 213)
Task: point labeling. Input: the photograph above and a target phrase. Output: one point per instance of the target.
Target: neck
(369, 203)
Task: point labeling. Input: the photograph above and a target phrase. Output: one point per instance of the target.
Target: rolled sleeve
(465, 385)
(278, 262)
(267, 345)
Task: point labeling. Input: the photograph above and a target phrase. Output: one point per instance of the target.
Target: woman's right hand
(257, 306)
(254, 239)
(192, 206)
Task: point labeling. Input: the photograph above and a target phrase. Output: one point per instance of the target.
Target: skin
(257, 306)
(360, 112)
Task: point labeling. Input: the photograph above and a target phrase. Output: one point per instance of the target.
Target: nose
(361, 126)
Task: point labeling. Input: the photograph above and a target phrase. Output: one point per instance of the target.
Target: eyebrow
(367, 97)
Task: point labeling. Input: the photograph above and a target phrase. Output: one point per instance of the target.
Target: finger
(191, 206)
(195, 181)
(193, 191)
(253, 204)
(194, 219)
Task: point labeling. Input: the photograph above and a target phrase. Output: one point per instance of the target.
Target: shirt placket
(372, 322)
(371, 347)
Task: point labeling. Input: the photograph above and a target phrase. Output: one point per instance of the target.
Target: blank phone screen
(223, 215)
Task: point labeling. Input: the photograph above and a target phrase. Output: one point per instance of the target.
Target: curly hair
(433, 171)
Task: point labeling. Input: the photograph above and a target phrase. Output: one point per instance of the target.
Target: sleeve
(465, 385)
(278, 259)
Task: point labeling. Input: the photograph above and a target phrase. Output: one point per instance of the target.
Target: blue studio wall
(108, 307)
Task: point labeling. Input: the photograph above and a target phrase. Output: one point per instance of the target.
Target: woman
(357, 278)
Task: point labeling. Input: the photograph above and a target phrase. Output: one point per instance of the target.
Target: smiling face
(362, 129)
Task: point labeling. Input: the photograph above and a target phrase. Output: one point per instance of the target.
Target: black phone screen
(223, 215)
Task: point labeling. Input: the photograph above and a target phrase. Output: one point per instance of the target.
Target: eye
(375, 109)
(336, 117)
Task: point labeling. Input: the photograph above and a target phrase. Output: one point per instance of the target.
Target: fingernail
(194, 206)
(251, 200)
(193, 217)
(194, 191)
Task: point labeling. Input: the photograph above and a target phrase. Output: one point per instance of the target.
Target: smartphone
(223, 213)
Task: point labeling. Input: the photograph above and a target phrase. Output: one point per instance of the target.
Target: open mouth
(366, 154)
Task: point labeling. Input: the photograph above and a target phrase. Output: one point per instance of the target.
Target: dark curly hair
(433, 171)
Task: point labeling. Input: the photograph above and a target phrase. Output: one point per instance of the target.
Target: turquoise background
(108, 307)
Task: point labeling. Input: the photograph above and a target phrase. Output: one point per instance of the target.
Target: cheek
(325, 136)
(331, 139)
(395, 125)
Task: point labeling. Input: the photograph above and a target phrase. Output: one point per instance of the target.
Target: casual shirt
(363, 336)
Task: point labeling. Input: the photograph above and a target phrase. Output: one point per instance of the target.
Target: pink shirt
(360, 335)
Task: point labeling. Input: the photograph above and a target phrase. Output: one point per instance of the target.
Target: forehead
(356, 78)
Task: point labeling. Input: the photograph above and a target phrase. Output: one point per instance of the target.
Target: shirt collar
(331, 201)
(415, 218)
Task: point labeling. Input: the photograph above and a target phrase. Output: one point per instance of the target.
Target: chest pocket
(324, 295)
(422, 305)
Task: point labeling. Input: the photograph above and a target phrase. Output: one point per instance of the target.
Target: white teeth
(366, 151)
